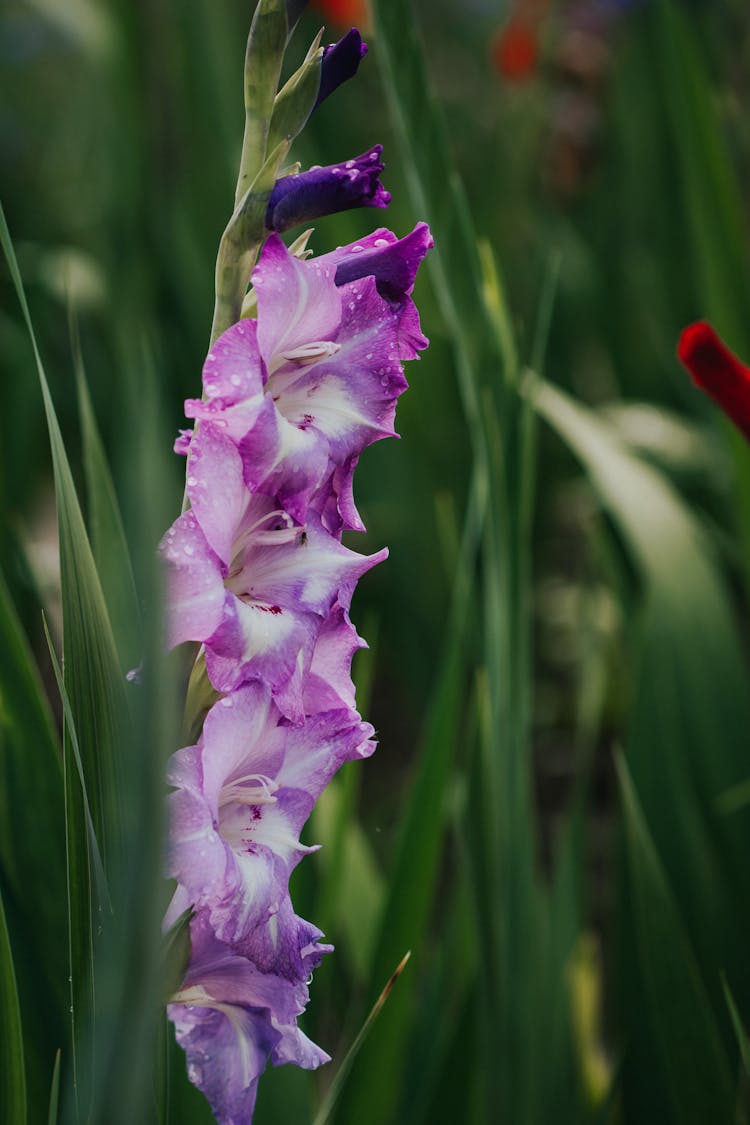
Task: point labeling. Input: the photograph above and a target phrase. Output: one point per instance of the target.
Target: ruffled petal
(298, 302)
(194, 582)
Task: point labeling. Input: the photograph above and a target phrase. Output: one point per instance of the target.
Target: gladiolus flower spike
(717, 371)
(259, 577)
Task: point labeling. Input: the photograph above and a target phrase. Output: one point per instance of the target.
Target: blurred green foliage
(569, 526)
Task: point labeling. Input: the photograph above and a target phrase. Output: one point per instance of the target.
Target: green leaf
(31, 788)
(438, 196)
(413, 875)
(176, 953)
(110, 547)
(130, 961)
(334, 1090)
(743, 1040)
(100, 888)
(92, 670)
(353, 888)
(12, 1073)
(54, 1093)
(715, 228)
(691, 1055)
(32, 863)
(94, 683)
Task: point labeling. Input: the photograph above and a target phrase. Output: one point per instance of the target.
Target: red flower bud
(717, 371)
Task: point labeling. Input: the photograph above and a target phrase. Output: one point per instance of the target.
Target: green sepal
(200, 698)
(296, 100)
(176, 953)
(240, 243)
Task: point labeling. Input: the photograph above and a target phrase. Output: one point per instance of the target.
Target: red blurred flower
(515, 51)
(717, 371)
(347, 13)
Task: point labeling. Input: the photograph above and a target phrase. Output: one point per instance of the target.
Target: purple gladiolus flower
(242, 797)
(324, 191)
(254, 587)
(231, 1018)
(302, 391)
(340, 62)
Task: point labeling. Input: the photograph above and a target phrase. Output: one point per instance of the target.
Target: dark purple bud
(340, 63)
(324, 191)
(392, 262)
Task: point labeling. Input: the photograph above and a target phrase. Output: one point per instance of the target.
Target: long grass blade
(95, 686)
(324, 1113)
(691, 1054)
(102, 899)
(54, 1093)
(12, 1073)
(108, 541)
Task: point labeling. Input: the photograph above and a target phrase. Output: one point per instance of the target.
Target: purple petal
(215, 487)
(233, 380)
(316, 750)
(284, 460)
(194, 581)
(334, 500)
(298, 302)
(325, 191)
(340, 62)
(232, 369)
(262, 639)
(244, 737)
(328, 684)
(392, 262)
(227, 1048)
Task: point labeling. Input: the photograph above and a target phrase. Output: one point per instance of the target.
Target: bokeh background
(557, 820)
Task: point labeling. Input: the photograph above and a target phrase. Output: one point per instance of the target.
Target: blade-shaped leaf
(32, 862)
(12, 1073)
(110, 547)
(54, 1093)
(95, 687)
(691, 1055)
(92, 669)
